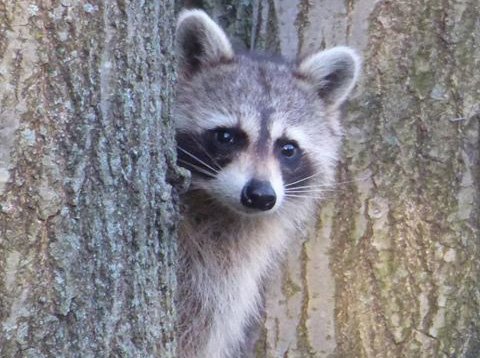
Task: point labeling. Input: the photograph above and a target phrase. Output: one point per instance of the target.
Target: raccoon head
(257, 133)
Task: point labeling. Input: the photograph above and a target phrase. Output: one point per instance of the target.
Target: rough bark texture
(394, 268)
(87, 206)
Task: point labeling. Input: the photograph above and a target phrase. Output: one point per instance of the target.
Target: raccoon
(260, 137)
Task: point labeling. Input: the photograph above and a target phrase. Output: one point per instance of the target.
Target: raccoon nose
(258, 194)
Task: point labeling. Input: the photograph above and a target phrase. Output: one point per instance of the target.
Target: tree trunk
(394, 269)
(87, 206)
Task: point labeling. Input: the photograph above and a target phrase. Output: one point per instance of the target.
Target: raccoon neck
(224, 258)
(215, 236)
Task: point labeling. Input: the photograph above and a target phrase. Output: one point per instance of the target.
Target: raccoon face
(257, 134)
(249, 172)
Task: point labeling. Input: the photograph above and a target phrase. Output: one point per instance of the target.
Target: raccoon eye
(224, 141)
(225, 136)
(289, 150)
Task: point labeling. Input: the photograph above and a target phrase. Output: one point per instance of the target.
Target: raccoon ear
(199, 41)
(333, 73)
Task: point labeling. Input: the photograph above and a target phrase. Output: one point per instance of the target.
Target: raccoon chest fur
(261, 138)
(223, 269)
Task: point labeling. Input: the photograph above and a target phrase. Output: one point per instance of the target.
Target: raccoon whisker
(197, 168)
(303, 196)
(326, 188)
(303, 179)
(198, 160)
(308, 191)
(218, 167)
(308, 187)
(313, 186)
(336, 183)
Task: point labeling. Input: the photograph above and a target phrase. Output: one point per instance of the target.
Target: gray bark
(87, 199)
(393, 270)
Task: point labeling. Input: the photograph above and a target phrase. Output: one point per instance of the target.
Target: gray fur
(226, 250)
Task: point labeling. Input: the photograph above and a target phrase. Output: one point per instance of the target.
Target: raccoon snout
(257, 194)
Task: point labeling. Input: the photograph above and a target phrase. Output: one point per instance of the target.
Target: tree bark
(393, 270)
(87, 174)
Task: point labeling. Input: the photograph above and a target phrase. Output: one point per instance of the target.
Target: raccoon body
(260, 138)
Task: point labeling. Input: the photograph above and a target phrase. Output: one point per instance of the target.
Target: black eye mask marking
(206, 153)
(294, 163)
(193, 155)
(224, 143)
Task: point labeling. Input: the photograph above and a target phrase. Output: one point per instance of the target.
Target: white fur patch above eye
(299, 135)
(216, 120)
(204, 120)
(278, 128)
